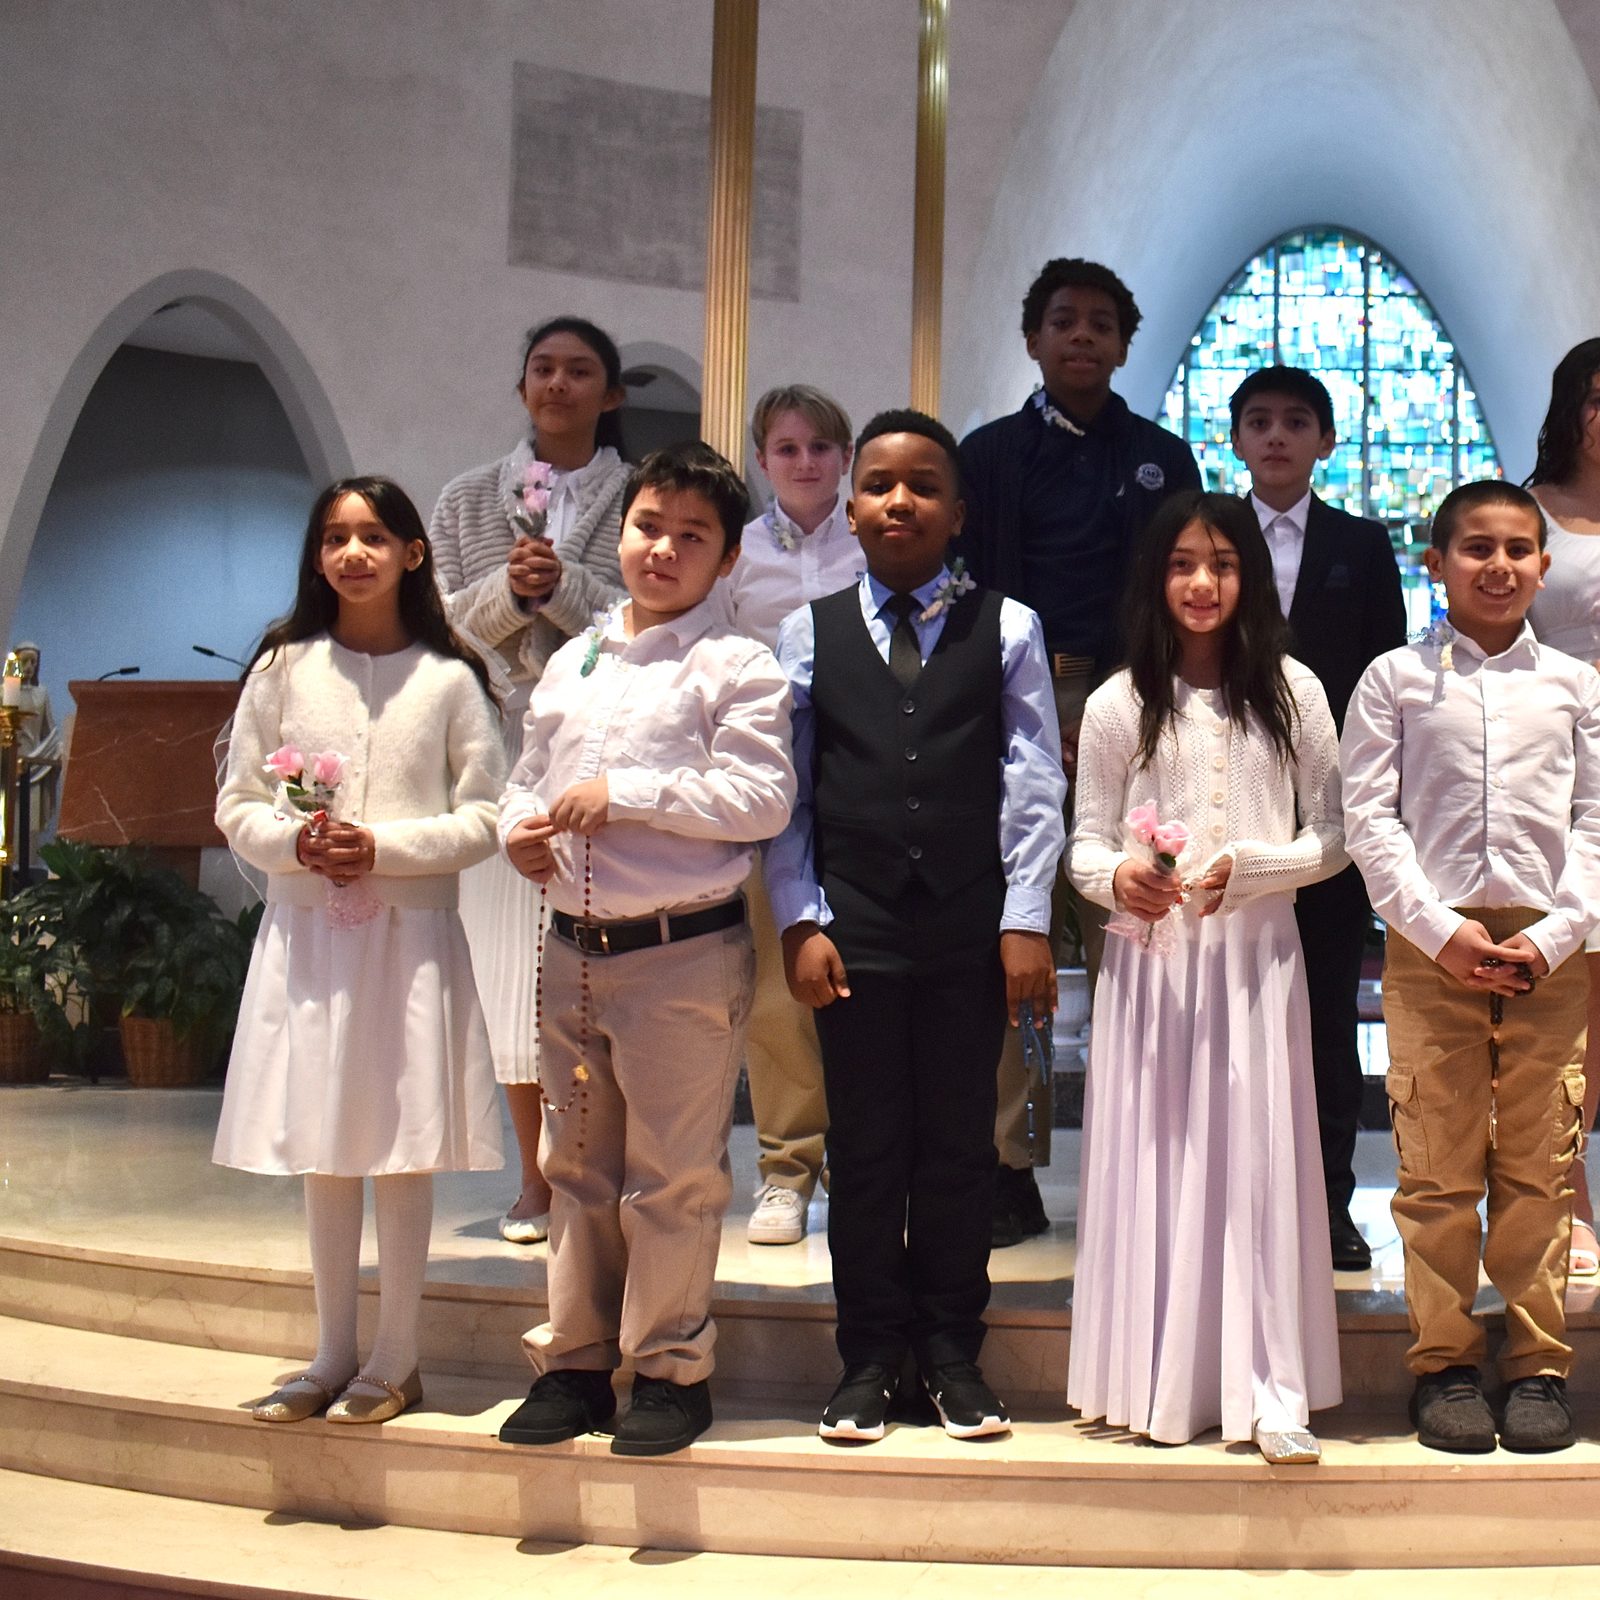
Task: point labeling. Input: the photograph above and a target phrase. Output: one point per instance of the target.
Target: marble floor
(129, 1171)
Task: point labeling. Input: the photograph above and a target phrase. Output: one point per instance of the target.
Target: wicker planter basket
(21, 1051)
(157, 1059)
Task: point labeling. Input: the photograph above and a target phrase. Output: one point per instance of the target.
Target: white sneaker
(779, 1216)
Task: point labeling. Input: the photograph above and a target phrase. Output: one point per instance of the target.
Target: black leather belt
(617, 938)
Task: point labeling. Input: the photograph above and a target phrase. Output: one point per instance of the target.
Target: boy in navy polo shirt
(1056, 495)
(913, 891)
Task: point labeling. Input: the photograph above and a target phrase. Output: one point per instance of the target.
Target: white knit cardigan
(425, 766)
(472, 534)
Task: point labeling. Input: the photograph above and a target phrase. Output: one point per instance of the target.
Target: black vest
(908, 781)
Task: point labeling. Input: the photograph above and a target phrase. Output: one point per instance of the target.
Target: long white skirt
(500, 911)
(1203, 1294)
(359, 1050)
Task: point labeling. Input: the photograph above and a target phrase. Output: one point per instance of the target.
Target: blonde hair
(827, 416)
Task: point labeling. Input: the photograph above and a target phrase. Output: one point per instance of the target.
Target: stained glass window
(1409, 424)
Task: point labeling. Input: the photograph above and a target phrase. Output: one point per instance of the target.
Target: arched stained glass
(1409, 424)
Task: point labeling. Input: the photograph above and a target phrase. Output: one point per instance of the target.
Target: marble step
(138, 1414)
(79, 1541)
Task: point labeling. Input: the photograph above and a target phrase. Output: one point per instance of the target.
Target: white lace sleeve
(1317, 849)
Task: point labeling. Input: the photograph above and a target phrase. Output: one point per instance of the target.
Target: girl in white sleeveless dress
(1203, 1291)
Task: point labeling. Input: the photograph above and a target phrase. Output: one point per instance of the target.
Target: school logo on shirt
(1150, 476)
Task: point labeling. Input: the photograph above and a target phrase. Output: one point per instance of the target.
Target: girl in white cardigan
(525, 597)
(360, 1049)
(1203, 1289)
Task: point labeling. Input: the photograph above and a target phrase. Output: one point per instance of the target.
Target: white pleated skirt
(1203, 1294)
(360, 1050)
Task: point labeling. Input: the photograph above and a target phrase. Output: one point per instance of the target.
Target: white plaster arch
(652, 353)
(300, 392)
(1167, 138)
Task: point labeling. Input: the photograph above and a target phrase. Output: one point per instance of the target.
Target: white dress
(362, 1050)
(1203, 1293)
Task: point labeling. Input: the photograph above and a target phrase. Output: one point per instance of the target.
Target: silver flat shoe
(525, 1230)
(1288, 1447)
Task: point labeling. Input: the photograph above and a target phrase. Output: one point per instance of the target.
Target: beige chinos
(1439, 1090)
(638, 1161)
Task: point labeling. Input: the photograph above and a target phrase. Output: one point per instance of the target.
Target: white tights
(404, 1204)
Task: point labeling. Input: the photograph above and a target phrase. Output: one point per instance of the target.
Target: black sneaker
(561, 1405)
(1450, 1413)
(1018, 1208)
(1538, 1416)
(664, 1417)
(1351, 1253)
(860, 1403)
(967, 1405)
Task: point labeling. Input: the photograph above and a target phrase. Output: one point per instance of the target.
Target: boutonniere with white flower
(780, 527)
(592, 637)
(955, 583)
(1443, 637)
(529, 508)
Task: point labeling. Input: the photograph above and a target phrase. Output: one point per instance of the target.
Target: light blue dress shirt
(1033, 787)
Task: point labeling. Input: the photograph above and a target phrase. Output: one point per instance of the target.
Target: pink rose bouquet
(1160, 843)
(308, 788)
(530, 504)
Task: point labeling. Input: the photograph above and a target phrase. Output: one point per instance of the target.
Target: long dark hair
(316, 607)
(1561, 436)
(608, 429)
(1253, 679)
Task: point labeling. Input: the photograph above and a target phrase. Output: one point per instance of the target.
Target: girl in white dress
(524, 598)
(1203, 1291)
(1566, 614)
(360, 1049)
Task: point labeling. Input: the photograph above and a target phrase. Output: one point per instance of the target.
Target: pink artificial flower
(538, 475)
(327, 768)
(1142, 822)
(286, 762)
(536, 500)
(1170, 838)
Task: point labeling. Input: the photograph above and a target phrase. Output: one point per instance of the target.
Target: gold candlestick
(12, 799)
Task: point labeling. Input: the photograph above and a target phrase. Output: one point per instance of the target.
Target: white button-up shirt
(1033, 788)
(689, 723)
(1476, 785)
(779, 568)
(1285, 533)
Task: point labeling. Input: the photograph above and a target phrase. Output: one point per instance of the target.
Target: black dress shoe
(663, 1417)
(1351, 1253)
(1018, 1208)
(561, 1405)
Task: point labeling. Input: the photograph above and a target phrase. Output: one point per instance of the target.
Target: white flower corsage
(780, 527)
(955, 583)
(1443, 637)
(592, 637)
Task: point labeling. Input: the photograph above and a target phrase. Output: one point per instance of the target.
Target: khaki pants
(1439, 1092)
(1021, 1137)
(784, 1062)
(638, 1162)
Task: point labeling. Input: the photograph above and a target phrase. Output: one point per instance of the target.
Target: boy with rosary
(655, 756)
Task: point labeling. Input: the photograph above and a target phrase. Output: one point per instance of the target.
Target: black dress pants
(1333, 916)
(908, 1062)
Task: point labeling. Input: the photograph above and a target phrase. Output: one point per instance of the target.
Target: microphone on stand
(117, 672)
(216, 655)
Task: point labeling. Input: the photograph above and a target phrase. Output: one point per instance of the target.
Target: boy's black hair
(1074, 272)
(1294, 382)
(608, 430)
(905, 420)
(1253, 679)
(1561, 436)
(1485, 492)
(316, 606)
(695, 468)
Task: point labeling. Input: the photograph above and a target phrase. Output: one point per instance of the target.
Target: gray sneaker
(1450, 1413)
(1538, 1416)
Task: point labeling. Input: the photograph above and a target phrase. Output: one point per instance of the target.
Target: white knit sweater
(472, 534)
(425, 766)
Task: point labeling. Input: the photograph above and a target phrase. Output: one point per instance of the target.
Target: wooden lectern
(141, 768)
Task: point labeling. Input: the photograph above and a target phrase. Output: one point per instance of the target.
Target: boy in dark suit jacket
(1339, 587)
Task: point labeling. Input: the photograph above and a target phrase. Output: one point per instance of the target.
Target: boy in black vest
(913, 891)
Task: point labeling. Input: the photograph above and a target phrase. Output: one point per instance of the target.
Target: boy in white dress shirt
(798, 550)
(1471, 766)
(655, 756)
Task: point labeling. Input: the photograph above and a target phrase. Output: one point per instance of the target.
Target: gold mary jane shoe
(376, 1407)
(1286, 1447)
(301, 1397)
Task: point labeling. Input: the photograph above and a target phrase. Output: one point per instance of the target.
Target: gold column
(927, 255)
(733, 137)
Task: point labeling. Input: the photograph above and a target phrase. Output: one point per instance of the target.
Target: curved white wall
(1172, 138)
